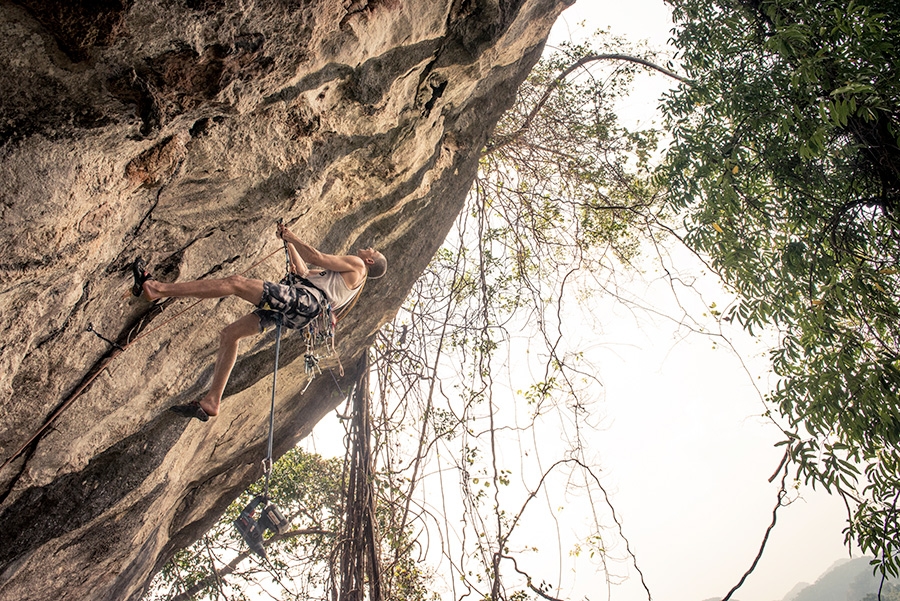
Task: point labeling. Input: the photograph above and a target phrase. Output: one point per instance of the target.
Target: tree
(887, 592)
(307, 488)
(343, 540)
(564, 201)
(785, 167)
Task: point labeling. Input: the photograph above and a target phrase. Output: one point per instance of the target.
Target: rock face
(180, 130)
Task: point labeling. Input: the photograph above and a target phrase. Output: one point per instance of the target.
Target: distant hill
(797, 588)
(846, 580)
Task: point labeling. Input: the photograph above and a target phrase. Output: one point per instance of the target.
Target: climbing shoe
(141, 275)
(189, 410)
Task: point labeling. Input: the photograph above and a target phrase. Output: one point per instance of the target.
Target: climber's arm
(310, 255)
(298, 265)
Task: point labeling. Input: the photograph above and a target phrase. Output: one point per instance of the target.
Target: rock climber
(336, 280)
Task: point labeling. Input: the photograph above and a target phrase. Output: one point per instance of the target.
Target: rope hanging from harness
(291, 278)
(279, 327)
(267, 462)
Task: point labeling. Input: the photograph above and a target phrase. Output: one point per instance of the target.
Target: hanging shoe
(141, 275)
(189, 410)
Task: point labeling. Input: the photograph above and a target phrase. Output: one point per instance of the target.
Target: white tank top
(333, 285)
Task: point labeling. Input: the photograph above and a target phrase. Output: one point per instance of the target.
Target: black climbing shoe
(141, 275)
(189, 410)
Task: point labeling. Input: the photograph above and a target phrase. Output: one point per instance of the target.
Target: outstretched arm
(307, 254)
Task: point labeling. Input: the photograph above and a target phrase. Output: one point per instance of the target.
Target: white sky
(683, 450)
(686, 453)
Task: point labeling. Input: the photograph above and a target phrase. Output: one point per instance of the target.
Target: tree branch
(781, 493)
(530, 585)
(562, 76)
(217, 575)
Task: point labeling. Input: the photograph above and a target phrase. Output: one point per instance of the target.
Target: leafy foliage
(786, 169)
(568, 177)
(307, 488)
(310, 492)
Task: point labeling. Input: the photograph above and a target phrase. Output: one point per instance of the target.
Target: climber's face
(376, 264)
(367, 254)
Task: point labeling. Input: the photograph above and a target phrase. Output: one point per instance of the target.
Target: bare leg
(245, 288)
(247, 325)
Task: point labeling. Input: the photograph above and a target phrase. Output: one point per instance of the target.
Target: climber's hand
(287, 235)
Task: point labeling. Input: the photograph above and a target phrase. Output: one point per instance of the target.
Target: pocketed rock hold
(180, 132)
(157, 163)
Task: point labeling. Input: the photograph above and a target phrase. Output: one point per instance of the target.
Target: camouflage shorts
(296, 305)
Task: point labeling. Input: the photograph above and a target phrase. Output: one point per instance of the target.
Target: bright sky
(683, 452)
(686, 454)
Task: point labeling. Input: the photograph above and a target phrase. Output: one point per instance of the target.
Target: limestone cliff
(180, 130)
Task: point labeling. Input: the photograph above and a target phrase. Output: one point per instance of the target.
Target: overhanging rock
(180, 131)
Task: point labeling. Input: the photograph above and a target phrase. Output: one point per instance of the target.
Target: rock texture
(180, 130)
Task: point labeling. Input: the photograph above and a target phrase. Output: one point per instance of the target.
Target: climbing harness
(321, 331)
(321, 326)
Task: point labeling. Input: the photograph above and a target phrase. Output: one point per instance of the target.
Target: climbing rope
(267, 462)
(279, 325)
